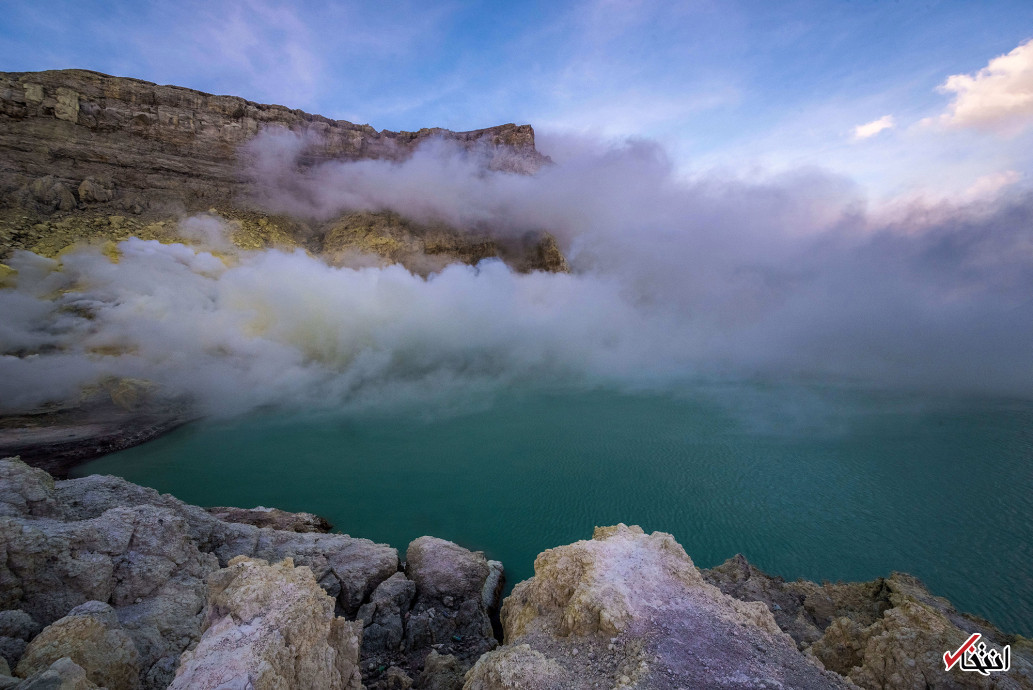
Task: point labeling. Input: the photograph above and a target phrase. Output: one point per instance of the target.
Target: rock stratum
(91, 159)
(107, 584)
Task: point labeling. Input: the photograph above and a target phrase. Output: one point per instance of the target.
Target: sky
(917, 99)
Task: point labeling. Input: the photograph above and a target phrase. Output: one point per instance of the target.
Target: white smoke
(671, 280)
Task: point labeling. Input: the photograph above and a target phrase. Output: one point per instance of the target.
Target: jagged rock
(631, 609)
(11, 650)
(271, 626)
(16, 629)
(449, 605)
(394, 679)
(63, 674)
(383, 616)
(50, 194)
(91, 636)
(517, 667)
(491, 593)
(441, 672)
(889, 633)
(101, 538)
(93, 192)
(274, 518)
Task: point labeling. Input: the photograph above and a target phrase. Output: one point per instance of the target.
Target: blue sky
(744, 88)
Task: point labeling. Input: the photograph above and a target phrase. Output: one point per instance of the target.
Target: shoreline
(58, 441)
(585, 619)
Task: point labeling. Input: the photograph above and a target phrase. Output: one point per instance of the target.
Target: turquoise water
(821, 483)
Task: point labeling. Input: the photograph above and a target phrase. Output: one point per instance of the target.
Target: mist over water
(672, 280)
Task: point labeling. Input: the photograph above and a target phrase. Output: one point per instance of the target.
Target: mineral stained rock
(627, 609)
(890, 633)
(271, 626)
(92, 637)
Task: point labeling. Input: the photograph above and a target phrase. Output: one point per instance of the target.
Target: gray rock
(11, 650)
(449, 608)
(18, 624)
(63, 674)
(147, 555)
(442, 568)
(383, 616)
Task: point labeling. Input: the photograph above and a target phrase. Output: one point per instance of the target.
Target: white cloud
(998, 98)
(990, 186)
(870, 129)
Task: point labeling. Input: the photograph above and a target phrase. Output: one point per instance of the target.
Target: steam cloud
(672, 279)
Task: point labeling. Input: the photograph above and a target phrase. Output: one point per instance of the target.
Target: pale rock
(517, 667)
(63, 674)
(91, 636)
(639, 601)
(271, 626)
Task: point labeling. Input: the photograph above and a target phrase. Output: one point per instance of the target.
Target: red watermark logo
(975, 656)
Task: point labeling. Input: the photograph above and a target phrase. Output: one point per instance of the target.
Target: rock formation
(123, 580)
(103, 539)
(627, 609)
(87, 156)
(107, 138)
(270, 626)
(107, 584)
(890, 633)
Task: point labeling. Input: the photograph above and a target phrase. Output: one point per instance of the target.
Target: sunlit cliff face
(671, 279)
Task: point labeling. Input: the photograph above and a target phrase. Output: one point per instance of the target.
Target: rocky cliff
(146, 145)
(87, 156)
(107, 584)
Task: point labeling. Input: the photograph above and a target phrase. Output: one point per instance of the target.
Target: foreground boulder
(628, 609)
(92, 637)
(271, 626)
(427, 626)
(890, 633)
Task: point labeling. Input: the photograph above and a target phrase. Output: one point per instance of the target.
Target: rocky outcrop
(425, 248)
(271, 626)
(888, 634)
(627, 609)
(91, 157)
(432, 622)
(107, 584)
(273, 518)
(66, 543)
(92, 637)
